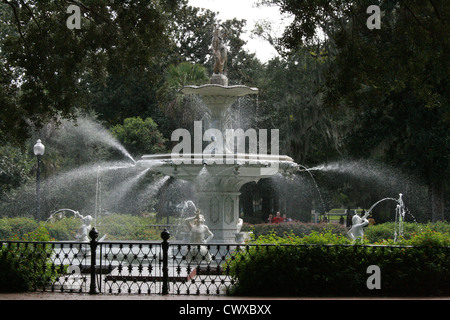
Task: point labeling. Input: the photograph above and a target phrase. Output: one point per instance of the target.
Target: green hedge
(385, 231)
(289, 268)
(127, 227)
(16, 227)
(26, 266)
(297, 228)
(115, 226)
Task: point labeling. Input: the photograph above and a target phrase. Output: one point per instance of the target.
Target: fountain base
(219, 79)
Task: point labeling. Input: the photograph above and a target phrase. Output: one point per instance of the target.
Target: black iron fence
(132, 267)
(158, 267)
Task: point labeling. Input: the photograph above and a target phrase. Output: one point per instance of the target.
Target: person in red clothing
(277, 218)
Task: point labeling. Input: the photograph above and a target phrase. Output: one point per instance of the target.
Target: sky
(246, 9)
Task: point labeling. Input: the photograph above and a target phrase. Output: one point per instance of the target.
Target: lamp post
(39, 150)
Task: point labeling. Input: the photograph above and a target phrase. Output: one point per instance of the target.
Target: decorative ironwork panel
(132, 268)
(70, 262)
(200, 268)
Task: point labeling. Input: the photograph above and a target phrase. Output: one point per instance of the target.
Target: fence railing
(134, 267)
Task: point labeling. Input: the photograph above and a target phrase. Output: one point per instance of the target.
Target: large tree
(47, 69)
(291, 101)
(395, 78)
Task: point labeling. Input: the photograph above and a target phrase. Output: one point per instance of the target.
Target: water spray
(303, 169)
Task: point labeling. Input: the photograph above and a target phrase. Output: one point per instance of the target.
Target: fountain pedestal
(220, 79)
(221, 211)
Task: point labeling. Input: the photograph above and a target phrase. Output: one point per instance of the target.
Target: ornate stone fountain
(219, 171)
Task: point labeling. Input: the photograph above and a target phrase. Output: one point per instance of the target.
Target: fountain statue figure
(83, 234)
(219, 49)
(356, 232)
(199, 233)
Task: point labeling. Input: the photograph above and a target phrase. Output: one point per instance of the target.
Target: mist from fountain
(151, 189)
(124, 189)
(316, 185)
(188, 209)
(93, 131)
(367, 170)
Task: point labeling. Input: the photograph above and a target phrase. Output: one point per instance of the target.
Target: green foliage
(26, 266)
(185, 74)
(385, 231)
(140, 136)
(15, 167)
(176, 106)
(115, 226)
(297, 228)
(16, 227)
(57, 66)
(128, 227)
(430, 238)
(305, 269)
(426, 237)
(327, 236)
(393, 80)
(292, 102)
(64, 229)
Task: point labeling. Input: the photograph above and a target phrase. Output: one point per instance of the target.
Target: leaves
(140, 136)
(50, 64)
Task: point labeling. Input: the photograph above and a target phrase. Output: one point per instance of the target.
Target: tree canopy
(48, 70)
(395, 78)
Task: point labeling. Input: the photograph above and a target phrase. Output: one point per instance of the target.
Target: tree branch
(19, 28)
(435, 10)
(415, 17)
(32, 15)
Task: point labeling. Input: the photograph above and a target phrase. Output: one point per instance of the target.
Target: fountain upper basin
(219, 90)
(239, 166)
(219, 98)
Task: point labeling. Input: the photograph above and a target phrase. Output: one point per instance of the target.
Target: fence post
(165, 235)
(93, 234)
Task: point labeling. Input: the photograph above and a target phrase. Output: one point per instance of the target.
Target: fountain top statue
(220, 55)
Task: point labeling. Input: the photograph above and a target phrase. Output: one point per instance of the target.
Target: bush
(16, 227)
(26, 266)
(282, 269)
(297, 228)
(385, 231)
(140, 136)
(127, 227)
(115, 226)
(64, 229)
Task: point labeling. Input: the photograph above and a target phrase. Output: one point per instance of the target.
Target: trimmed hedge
(115, 226)
(293, 266)
(299, 229)
(385, 231)
(127, 227)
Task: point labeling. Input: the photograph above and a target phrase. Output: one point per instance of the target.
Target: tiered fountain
(219, 171)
